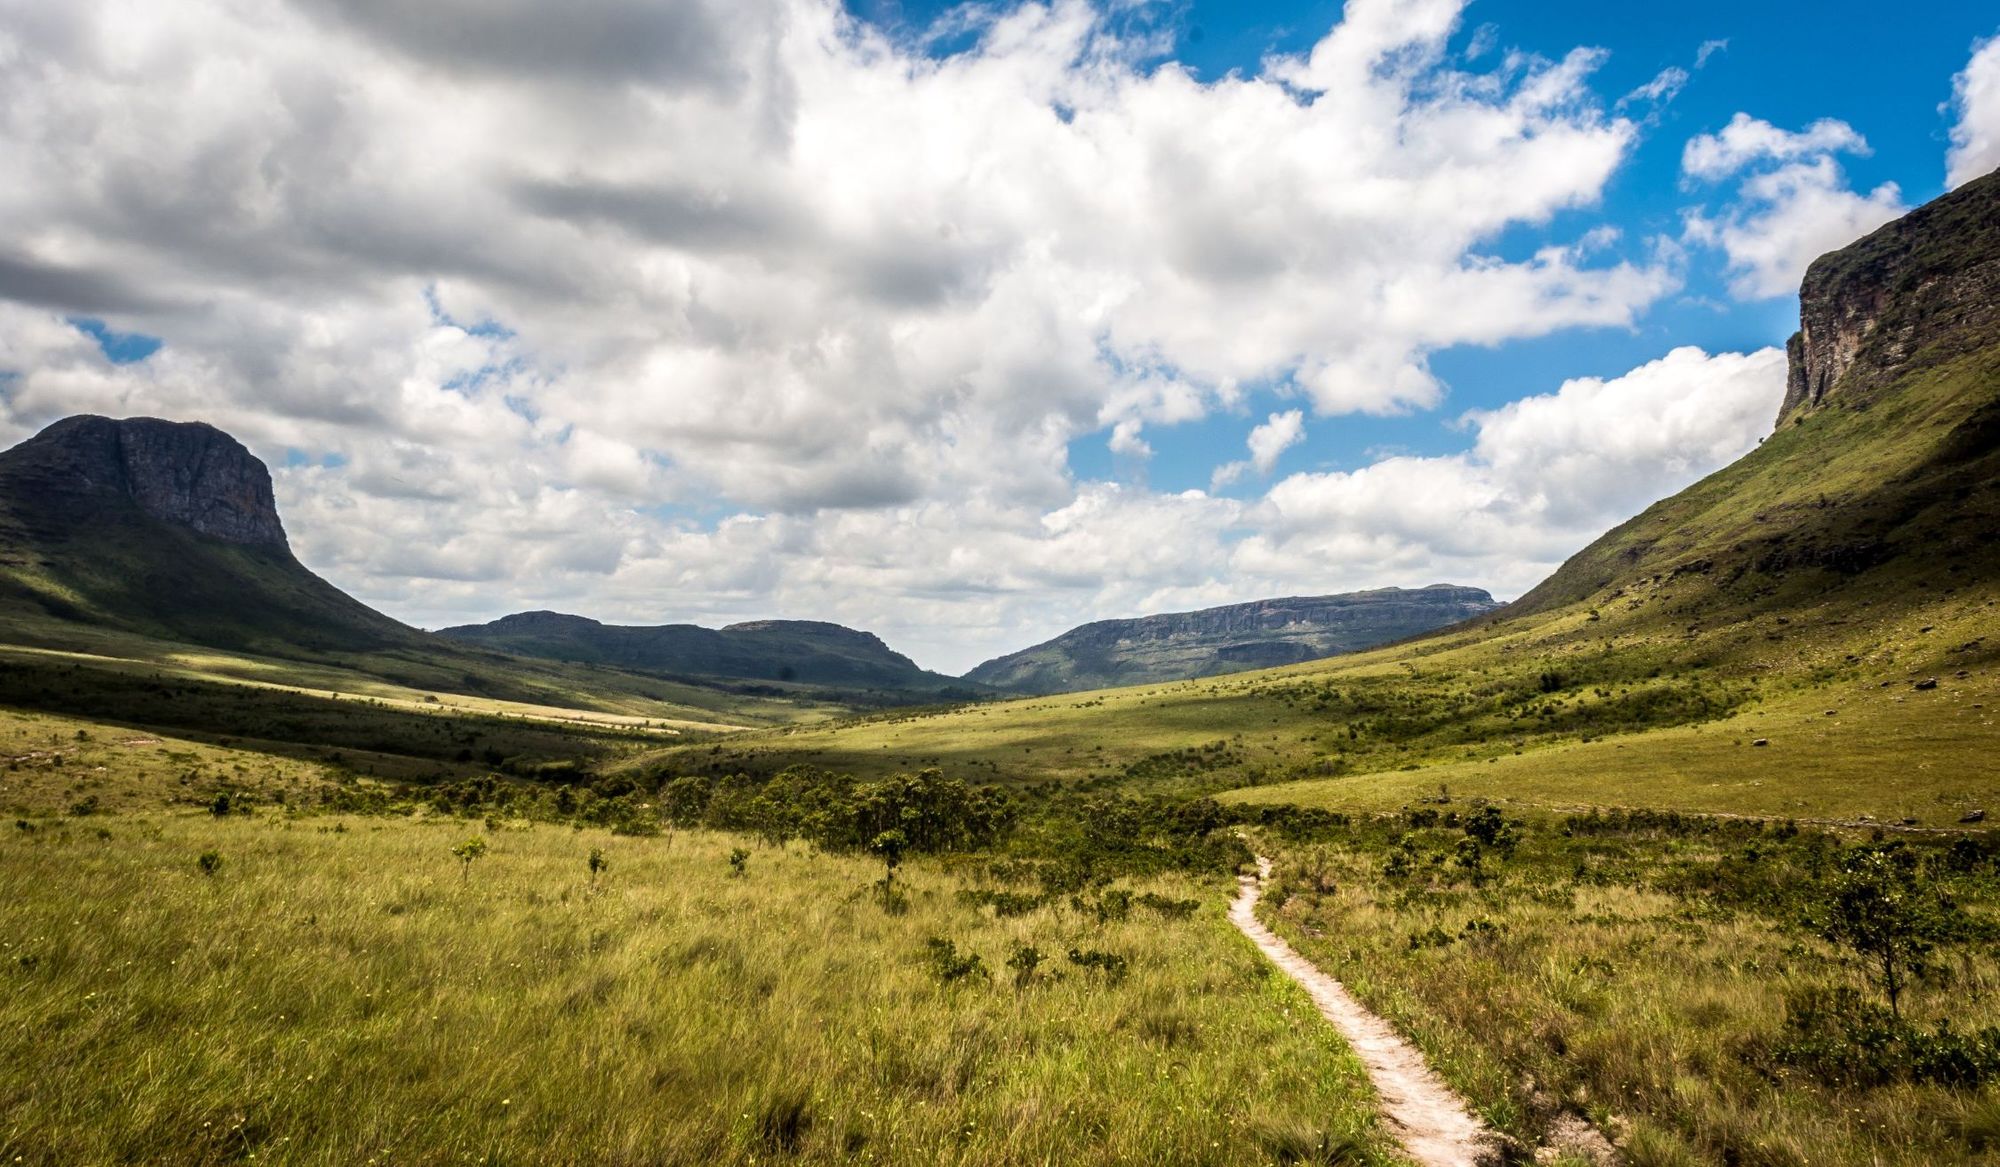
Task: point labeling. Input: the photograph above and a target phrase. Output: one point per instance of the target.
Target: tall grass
(336, 992)
(1642, 979)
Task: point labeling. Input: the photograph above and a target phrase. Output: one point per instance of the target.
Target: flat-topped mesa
(1921, 290)
(187, 473)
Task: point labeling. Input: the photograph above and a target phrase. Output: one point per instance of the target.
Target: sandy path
(1434, 1125)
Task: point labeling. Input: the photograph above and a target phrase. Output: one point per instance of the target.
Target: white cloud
(1545, 475)
(1266, 442)
(1791, 207)
(1746, 140)
(1975, 137)
(690, 309)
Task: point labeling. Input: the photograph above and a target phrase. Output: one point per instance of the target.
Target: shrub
(950, 966)
(738, 862)
(209, 862)
(1837, 1038)
(466, 853)
(1113, 966)
(1024, 960)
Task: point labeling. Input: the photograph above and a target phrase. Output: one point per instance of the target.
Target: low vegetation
(1705, 990)
(333, 989)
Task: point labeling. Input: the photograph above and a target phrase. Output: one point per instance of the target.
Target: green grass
(338, 992)
(1639, 977)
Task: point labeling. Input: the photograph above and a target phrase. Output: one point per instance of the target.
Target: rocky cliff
(1913, 294)
(1179, 645)
(186, 473)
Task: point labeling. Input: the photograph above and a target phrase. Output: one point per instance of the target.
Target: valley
(1686, 850)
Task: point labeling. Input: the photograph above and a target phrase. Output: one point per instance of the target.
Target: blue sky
(960, 324)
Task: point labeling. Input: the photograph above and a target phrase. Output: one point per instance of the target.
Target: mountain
(165, 529)
(805, 651)
(1883, 475)
(1180, 645)
(158, 543)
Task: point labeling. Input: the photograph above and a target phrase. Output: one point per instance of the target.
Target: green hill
(1229, 639)
(1807, 596)
(805, 651)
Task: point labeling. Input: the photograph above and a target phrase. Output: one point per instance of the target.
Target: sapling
(598, 863)
(738, 859)
(466, 852)
(209, 862)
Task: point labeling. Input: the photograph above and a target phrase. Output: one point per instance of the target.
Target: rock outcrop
(1262, 634)
(187, 473)
(1919, 291)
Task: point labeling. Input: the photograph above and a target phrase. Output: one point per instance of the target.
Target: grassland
(1661, 977)
(338, 990)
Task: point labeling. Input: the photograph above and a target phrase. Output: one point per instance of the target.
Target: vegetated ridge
(1233, 638)
(808, 651)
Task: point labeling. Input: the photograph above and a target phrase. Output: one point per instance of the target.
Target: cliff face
(186, 473)
(1262, 634)
(1920, 291)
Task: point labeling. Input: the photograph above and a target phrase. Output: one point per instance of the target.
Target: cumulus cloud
(1544, 475)
(1266, 443)
(1746, 140)
(1790, 204)
(690, 309)
(1975, 136)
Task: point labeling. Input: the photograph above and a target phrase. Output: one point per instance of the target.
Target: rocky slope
(1262, 634)
(1914, 294)
(1884, 471)
(806, 651)
(165, 529)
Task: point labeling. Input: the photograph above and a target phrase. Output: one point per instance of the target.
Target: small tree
(738, 858)
(1884, 909)
(598, 863)
(465, 853)
(889, 846)
(209, 862)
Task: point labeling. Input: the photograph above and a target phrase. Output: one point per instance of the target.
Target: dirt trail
(1433, 1123)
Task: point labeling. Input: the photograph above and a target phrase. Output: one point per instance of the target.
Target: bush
(1839, 1039)
(1113, 966)
(950, 966)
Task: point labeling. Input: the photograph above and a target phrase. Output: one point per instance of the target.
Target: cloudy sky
(959, 323)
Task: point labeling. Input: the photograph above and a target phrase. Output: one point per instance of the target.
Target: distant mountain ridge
(169, 531)
(806, 651)
(1261, 634)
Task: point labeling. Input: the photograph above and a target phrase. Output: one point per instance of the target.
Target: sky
(962, 324)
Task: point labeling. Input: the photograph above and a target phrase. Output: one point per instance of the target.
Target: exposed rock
(1898, 299)
(188, 473)
(1262, 634)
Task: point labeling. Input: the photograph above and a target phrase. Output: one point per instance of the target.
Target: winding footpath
(1433, 1123)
